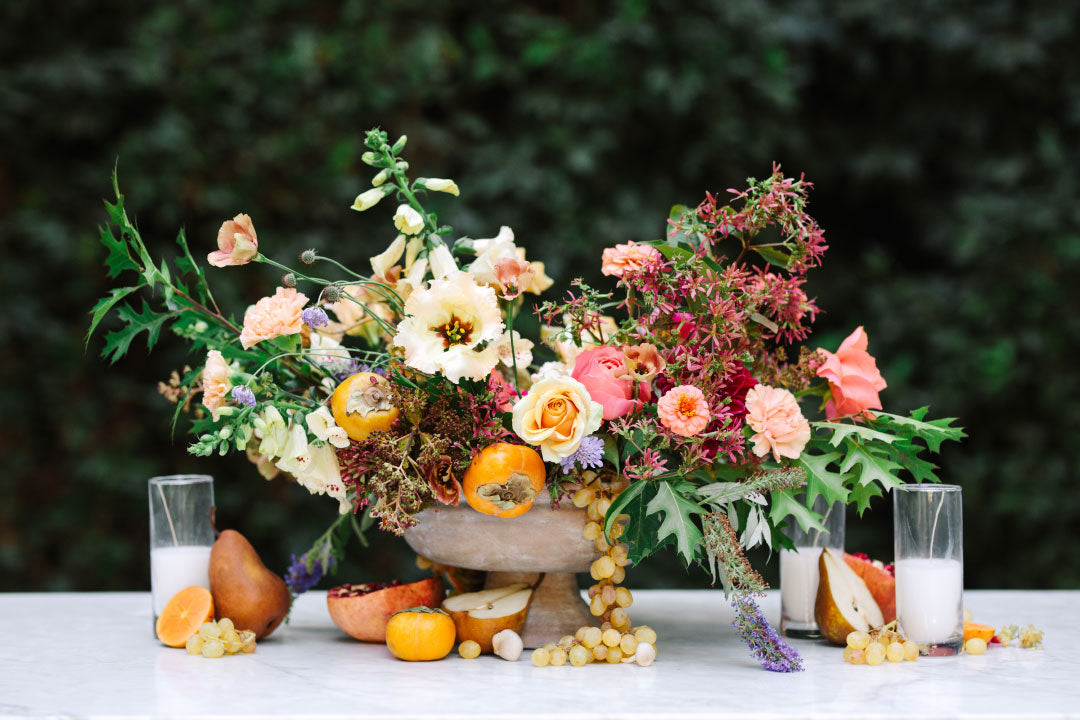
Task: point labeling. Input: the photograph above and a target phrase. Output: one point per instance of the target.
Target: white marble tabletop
(93, 655)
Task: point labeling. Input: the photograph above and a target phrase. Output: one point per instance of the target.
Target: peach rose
(774, 415)
(555, 415)
(215, 382)
(273, 316)
(628, 258)
(853, 377)
(237, 243)
(684, 411)
(602, 371)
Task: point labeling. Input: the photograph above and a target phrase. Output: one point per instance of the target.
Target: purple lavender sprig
(306, 571)
(768, 648)
(590, 454)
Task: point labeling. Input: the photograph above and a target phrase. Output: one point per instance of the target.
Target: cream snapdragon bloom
(322, 425)
(490, 251)
(445, 326)
(408, 221)
(314, 467)
(272, 431)
(521, 352)
(556, 415)
(215, 382)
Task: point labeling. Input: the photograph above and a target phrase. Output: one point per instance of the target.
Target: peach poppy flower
(778, 423)
(273, 316)
(237, 243)
(629, 258)
(683, 410)
(643, 362)
(853, 377)
(215, 382)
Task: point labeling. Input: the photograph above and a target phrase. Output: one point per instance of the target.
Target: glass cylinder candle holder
(799, 568)
(181, 535)
(928, 537)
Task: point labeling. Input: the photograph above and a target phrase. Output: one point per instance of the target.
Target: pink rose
(853, 377)
(601, 371)
(237, 243)
(279, 314)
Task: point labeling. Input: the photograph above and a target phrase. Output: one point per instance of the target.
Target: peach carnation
(273, 316)
(779, 426)
(683, 410)
(215, 382)
(628, 259)
(237, 243)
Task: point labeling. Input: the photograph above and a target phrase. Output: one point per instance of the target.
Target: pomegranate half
(363, 611)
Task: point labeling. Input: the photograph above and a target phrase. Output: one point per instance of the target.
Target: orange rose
(555, 415)
(853, 377)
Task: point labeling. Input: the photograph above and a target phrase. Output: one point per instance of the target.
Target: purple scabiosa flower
(768, 648)
(590, 454)
(304, 573)
(243, 395)
(314, 317)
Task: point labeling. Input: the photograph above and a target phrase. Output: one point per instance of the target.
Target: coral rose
(853, 377)
(628, 259)
(272, 316)
(237, 243)
(215, 382)
(779, 426)
(603, 372)
(555, 415)
(684, 411)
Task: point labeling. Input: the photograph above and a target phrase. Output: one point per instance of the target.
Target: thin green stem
(513, 354)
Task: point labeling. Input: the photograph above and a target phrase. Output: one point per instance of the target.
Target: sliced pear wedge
(480, 615)
(844, 603)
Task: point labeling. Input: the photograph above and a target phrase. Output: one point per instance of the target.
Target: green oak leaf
(105, 304)
(118, 341)
(874, 465)
(783, 504)
(677, 522)
(933, 432)
(822, 481)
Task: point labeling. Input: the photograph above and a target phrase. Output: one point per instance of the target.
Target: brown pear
(244, 590)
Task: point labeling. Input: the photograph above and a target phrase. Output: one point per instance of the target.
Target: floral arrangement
(681, 398)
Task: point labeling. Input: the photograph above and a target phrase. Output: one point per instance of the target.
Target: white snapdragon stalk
(445, 185)
(321, 424)
(441, 261)
(272, 431)
(488, 252)
(368, 199)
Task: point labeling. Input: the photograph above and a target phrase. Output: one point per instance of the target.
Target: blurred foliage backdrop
(942, 137)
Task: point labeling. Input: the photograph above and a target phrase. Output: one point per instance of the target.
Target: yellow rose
(555, 415)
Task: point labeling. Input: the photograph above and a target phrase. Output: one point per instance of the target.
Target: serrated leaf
(933, 433)
(907, 455)
(785, 504)
(822, 481)
(119, 257)
(862, 494)
(105, 304)
(621, 502)
(677, 521)
(874, 466)
(843, 430)
(118, 342)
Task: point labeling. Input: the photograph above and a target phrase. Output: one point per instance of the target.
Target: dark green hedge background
(943, 138)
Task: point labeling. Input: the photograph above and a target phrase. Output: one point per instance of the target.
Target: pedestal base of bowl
(556, 610)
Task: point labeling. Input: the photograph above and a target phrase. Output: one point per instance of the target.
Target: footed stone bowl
(543, 540)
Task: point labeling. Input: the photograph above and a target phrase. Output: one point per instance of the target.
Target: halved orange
(975, 630)
(183, 615)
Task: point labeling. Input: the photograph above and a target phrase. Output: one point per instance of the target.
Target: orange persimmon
(420, 634)
(361, 405)
(504, 480)
(975, 630)
(184, 613)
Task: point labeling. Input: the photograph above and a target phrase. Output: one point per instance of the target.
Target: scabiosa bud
(308, 256)
(331, 294)
(288, 280)
(243, 395)
(314, 317)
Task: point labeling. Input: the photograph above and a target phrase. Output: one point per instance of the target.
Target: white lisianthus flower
(522, 350)
(408, 221)
(272, 431)
(447, 322)
(556, 415)
(442, 262)
(321, 424)
(368, 199)
(439, 185)
(553, 368)
(489, 252)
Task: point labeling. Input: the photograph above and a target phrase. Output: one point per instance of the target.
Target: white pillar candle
(174, 568)
(799, 583)
(930, 598)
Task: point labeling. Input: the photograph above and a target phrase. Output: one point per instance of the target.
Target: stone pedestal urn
(543, 540)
